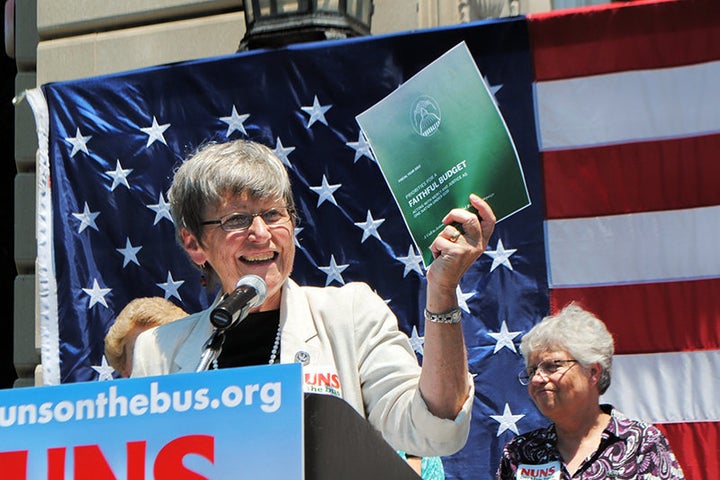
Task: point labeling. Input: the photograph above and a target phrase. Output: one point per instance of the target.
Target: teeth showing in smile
(260, 258)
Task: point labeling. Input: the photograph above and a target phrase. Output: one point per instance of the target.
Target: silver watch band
(453, 316)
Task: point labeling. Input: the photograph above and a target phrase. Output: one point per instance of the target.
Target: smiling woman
(568, 360)
(234, 214)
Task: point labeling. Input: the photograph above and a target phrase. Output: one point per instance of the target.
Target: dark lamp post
(274, 23)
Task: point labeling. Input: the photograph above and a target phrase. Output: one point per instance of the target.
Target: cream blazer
(346, 334)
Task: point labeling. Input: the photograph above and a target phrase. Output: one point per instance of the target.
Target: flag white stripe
(628, 106)
(667, 387)
(634, 248)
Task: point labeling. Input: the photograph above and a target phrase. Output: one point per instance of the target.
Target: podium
(255, 422)
(340, 444)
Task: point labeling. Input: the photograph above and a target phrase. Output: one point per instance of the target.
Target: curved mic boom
(249, 292)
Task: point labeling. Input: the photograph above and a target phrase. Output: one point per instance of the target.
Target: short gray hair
(216, 170)
(577, 331)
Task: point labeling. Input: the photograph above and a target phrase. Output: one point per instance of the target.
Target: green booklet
(439, 137)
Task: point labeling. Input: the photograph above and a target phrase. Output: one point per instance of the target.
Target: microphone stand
(212, 349)
(224, 316)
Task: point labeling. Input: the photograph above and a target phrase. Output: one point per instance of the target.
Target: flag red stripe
(654, 317)
(644, 176)
(690, 443)
(629, 178)
(590, 41)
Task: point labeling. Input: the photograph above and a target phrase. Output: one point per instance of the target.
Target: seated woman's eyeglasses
(544, 368)
(237, 222)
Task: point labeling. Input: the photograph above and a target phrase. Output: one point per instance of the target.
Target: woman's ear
(595, 371)
(193, 247)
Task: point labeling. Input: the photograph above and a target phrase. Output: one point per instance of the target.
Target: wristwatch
(453, 316)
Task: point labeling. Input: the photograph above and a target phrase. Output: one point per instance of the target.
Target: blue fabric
(431, 468)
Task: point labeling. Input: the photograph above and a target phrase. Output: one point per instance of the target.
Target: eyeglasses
(237, 222)
(545, 368)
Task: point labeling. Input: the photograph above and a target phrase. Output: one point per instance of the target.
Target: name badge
(546, 471)
(321, 379)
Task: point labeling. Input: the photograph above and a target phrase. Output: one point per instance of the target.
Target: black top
(250, 342)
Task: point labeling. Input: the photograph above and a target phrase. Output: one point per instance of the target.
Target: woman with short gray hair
(578, 332)
(568, 360)
(234, 214)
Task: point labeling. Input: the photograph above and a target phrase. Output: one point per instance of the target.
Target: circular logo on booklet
(425, 116)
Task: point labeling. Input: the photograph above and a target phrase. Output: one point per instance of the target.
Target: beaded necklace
(276, 347)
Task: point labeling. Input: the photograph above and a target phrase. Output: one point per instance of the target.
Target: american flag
(629, 130)
(619, 168)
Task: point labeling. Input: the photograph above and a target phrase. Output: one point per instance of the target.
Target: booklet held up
(440, 137)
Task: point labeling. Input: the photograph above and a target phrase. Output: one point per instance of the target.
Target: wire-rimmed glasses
(545, 368)
(239, 221)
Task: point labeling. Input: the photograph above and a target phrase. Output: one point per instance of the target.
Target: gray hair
(217, 170)
(577, 331)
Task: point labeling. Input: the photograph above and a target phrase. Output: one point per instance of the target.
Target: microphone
(249, 292)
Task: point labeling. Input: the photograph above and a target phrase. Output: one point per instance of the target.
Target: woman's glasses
(237, 222)
(544, 368)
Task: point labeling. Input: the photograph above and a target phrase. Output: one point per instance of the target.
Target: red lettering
(56, 463)
(537, 472)
(14, 465)
(91, 464)
(324, 378)
(169, 462)
(136, 460)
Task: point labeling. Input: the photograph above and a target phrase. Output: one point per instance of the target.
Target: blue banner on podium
(220, 424)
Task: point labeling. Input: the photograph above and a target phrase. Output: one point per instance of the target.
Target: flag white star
(171, 287)
(235, 122)
(361, 147)
(161, 209)
(504, 338)
(78, 142)
(500, 256)
(316, 112)
(87, 218)
(104, 370)
(129, 253)
(296, 233)
(493, 88)
(507, 421)
(333, 271)
(119, 176)
(155, 132)
(463, 298)
(283, 152)
(97, 294)
(387, 301)
(369, 227)
(325, 191)
(412, 261)
(416, 341)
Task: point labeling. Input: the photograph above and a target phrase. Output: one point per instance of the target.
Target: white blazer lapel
(296, 322)
(192, 346)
